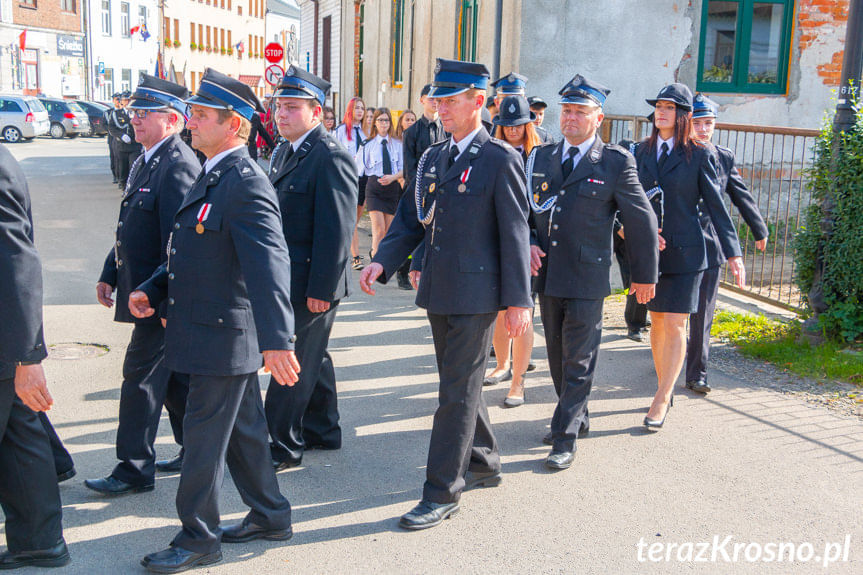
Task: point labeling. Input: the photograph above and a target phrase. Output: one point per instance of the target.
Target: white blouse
(371, 162)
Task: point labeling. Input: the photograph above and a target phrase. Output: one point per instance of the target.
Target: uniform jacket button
(120, 224)
(482, 268)
(440, 210)
(562, 192)
(308, 260)
(171, 276)
(293, 339)
(557, 209)
(599, 259)
(125, 204)
(119, 243)
(437, 248)
(173, 251)
(120, 262)
(176, 226)
(555, 226)
(554, 242)
(170, 301)
(593, 193)
(220, 320)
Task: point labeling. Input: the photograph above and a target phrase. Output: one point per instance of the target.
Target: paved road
(744, 462)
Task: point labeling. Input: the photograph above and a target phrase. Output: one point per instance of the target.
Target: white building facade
(283, 27)
(123, 37)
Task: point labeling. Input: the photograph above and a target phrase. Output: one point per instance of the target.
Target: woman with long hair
(329, 118)
(368, 125)
(351, 136)
(406, 120)
(514, 125)
(678, 173)
(381, 161)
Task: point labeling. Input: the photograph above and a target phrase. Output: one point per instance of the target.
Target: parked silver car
(22, 118)
(67, 118)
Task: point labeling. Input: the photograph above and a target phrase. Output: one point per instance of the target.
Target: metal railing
(773, 162)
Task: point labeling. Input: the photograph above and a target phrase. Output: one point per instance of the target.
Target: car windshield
(75, 107)
(35, 105)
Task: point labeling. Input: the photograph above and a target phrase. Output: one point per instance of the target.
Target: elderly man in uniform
(698, 344)
(126, 149)
(576, 187)
(28, 479)
(470, 215)
(226, 286)
(315, 179)
(159, 180)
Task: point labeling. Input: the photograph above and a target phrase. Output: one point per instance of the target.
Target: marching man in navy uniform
(29, 494)
(226, 290)
(576, 188)
(158, 182)
(315, 179)
(469, 213)
(698, 345)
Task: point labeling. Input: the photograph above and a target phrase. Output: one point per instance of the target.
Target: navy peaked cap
(704, 107)
(512, 83)
(297, 83)
(154, 93)
(222, 92)
(580, 90)
(453, 77)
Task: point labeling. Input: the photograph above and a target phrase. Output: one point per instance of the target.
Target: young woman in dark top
(676, 172)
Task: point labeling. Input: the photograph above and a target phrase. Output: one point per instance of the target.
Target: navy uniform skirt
(676, 293)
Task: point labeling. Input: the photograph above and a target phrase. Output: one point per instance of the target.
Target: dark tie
(453, 154)
(432, 133)
(569, 162)
(287, 155)
(663, 155)
(359, 136)
(133, 171)
(385, 156)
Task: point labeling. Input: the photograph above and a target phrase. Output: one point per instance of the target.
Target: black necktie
(359, 136)
(569, 162)
(385, 156)
(453, 154)
(432, 133)
(663, 155)
(287, 155)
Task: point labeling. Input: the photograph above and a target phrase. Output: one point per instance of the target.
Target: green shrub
(837, 175)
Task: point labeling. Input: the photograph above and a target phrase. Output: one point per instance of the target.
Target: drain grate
(76, 350)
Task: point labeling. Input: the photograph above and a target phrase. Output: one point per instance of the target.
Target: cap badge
(512, 108)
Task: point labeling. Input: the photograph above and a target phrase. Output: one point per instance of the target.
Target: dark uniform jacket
(476, 256)
(146, 216)
(119, 125)
(544, 136)
(20, 273)
(416, 140)
(733, 184)
(228, 288)
(683, 182)
(576, 234)
(317, 191)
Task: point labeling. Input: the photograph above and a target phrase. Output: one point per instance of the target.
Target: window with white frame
(124, 19)
(106, 17)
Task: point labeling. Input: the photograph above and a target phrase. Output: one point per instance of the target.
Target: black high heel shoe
(655, 424)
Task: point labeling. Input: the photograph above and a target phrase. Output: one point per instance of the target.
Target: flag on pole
(144, 33)
(239, 46)
(22, 40)
(134, 29)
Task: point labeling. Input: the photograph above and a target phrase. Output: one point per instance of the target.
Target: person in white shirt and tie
(380, 159)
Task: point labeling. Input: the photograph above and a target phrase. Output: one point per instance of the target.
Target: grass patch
(776, 342)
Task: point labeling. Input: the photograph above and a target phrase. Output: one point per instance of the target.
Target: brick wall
(47, 14)
(813, 17)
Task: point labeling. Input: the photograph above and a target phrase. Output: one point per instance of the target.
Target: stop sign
(273, 52)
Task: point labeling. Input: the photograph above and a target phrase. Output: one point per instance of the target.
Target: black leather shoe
(56, 556)
(323, 446)
(583, 431)
(177, 559)
(700, 386)
(172, 465)
(427, 514)
(531, 366)
(248, 531)
(559, 459)
(636, 335)
(287, 464)
(494, 380)
(404, 281)
(486, 479)
(112, 486)
(66, 475)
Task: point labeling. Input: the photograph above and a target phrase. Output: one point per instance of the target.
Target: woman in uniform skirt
(676, 172)
(350, 134)
(514, 125)
(381, 162)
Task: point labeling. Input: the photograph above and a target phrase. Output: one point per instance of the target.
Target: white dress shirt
(211, 162)
(371, 160)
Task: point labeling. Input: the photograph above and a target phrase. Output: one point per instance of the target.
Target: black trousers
(112, 152)
(225, 423)
(293, 418)
(573, 331)
(147, 385)
(462, 437)
(698, 344)
(635, 314)
(28, 481)
(124, 163)
(62, 460)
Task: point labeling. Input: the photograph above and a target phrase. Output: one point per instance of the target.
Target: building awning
(251, 80)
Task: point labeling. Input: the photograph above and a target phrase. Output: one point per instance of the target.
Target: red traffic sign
(274, 52)
(274, 74)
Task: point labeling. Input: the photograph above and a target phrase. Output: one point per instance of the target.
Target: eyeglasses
(141, 114)
(383, 120)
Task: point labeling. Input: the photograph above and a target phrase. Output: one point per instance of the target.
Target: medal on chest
(203, 214)
(462, 187)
